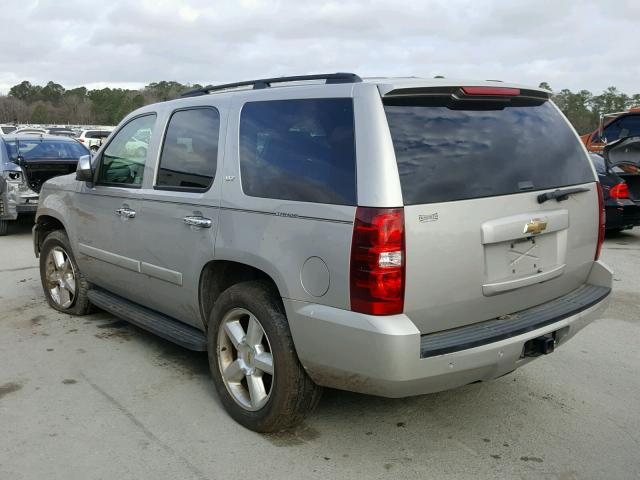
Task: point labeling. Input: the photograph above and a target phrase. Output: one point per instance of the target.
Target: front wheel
(254, 365)
(64, 286)
(4, 227)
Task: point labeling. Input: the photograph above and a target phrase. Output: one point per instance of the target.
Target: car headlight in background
(15, 181)
(13, 176)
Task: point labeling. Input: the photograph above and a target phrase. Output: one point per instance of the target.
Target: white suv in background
(92, 139)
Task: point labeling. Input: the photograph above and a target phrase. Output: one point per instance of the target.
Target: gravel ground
(95, 398)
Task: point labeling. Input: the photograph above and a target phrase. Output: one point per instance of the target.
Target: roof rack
(330, 78)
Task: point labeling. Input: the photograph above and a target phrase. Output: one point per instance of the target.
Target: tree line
(54, 104)
(583, 108)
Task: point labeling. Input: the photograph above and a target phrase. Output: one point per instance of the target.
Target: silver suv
(390, 236)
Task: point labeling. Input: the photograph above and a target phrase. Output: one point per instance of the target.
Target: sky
(569, 44)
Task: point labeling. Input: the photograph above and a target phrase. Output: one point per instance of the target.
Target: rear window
(45, 150)
(445, 154)
(302, 150)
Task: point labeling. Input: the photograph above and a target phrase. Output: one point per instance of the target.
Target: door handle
(197, 221)
(126, 212)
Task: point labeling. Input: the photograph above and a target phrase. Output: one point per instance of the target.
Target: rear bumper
(386, 355)
(626, 214)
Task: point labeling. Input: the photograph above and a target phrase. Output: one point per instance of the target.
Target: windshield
(45, 149)
(445, 154)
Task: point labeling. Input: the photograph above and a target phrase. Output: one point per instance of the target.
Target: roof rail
(330, 78)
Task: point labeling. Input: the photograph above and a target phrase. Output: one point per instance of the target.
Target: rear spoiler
(468, 97)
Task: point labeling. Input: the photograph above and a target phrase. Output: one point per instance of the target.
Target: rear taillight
(619, 191)
(81, 140)
(601, 222)
(378, 261)
(493, 91)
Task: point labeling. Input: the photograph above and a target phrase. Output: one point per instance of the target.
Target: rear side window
(190, 150)
(300, 150)
(445, 154)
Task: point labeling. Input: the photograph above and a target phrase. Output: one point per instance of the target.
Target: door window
(629, 126)
(302, 150)
(124, 159)
(190, 150)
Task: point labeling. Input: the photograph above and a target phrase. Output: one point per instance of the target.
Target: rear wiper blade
(560, 195)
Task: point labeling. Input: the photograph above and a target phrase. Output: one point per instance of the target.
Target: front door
(107, 212)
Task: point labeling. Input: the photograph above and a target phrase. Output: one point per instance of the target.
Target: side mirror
(84, 172)
(20, 161)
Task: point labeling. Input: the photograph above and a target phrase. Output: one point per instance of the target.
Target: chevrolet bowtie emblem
(535, 226)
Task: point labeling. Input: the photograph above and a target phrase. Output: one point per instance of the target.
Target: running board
(166, 327)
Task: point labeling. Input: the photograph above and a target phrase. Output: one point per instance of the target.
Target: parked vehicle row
(392, 237)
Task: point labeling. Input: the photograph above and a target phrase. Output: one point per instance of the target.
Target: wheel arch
(46, 222)
(218, 275)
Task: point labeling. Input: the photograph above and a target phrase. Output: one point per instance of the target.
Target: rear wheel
(64, 286)
(253, 362)
(4, 227)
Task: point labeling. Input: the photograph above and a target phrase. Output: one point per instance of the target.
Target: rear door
(176, 224)
(479, 243)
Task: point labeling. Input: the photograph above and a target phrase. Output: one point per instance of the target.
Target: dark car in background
(620, 182)
(26, 162)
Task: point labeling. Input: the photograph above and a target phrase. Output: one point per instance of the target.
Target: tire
(56, 275)
(4, 227)
(93, 148)
(290, 393)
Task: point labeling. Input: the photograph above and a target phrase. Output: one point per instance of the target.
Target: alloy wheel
(245, 359)
(60, 277)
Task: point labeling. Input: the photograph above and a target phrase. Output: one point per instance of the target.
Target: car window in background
(445, 155)
(302, 150)
(190, 150)
(123, 161)
(612, 131)
(598, 163)
(629, 126)
(7, 129)
(45, 149)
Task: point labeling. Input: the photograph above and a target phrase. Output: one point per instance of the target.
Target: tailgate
(476, 262)
(480, 243)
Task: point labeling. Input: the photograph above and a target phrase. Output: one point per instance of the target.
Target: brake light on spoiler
(492, 91)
